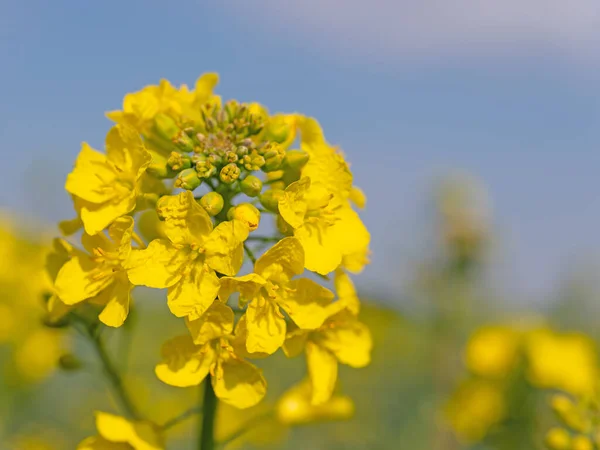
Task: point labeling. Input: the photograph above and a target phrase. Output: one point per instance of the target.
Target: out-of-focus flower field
(453, 367)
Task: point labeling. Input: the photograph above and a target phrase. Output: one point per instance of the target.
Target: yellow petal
(69, 227)
(217, 321)
(358, 197)
(239, 383)
(205, 86)
(311, 132)
(287, 256)
(322, 371)
(293, 205)
(93, 178)
(295, 342)
(158, 266)
(97, 216)
(120, 231)
(56, 309)
(99, 443)
(346, 292)
(125, 149)
(194, 293)
(238, 343)
(349, 233)
(247, 285)
(140, 435)
(265, 325)
(306, 303)
(186, 222)
(60, 254)
(80, 278)
(184, 363)
(349, 340)
(116, 310)
(224, 247)
(321, 249)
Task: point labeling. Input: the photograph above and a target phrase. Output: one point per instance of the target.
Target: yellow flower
(294, 407)
(474, 408)
(270, 288)
(141, 108)
(562, 361)
(326, 226)
(342, 338)
(493, 351)
(99, 275)
(188, 260)
(188, 360)
(118, 433)
(106, 187)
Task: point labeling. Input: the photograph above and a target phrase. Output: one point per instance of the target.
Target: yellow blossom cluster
(23, 283)
(495, 356)
(175, 202)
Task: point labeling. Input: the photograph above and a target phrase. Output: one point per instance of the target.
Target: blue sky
(410, 90)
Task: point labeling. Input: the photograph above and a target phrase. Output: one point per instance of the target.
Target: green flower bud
(242, 151)
(229, 173)
(179, 161)
(205, 169)
(273, 154)
(231, 157)
(278, 129)
(165, 127)
(247, 213)
(253, 161)
(212, 203)
(251, 186)
(270, 199)
(183, 142)
(188, 179)
(214, 159)
(295, 159)
(158, 166)
(69, 362)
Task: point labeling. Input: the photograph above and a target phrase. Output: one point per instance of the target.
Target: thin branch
(182, 417)
(250, 254)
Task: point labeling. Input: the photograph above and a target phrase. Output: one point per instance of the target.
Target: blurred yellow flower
(474, 408)
(492, 351)
(567, 361)
(118, 433)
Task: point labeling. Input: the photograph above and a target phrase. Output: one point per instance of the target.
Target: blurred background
(473, 128)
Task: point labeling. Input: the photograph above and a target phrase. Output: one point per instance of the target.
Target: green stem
(113, 376)
(209, 410)
(181, 417)
(250, 254)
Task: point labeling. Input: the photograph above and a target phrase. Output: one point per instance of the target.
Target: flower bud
(179, 161)
(231, 157)
(69, 362)
(273, 154)
(278, 129)
(251, 186)
(205, 169)
(212, 203)
(183, 142)
(247, 213)
(270, 199)
(295, 159)
(253, 161)
(229, 173)
(158, 166)
(582, 442)
(165, 127)
(188, 179)
(242, 151)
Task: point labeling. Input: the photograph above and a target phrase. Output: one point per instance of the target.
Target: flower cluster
(175, 202)
(505, 361)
